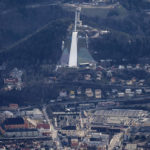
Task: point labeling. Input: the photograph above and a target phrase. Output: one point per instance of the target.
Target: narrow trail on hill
(24, 39)
(5, 49)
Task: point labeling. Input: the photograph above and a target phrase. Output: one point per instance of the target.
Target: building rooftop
(44, 126)
(69, 128)
(20, 130)
(14, 121)
(121, 112)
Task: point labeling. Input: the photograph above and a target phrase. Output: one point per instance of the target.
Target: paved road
(55, 136)
(115, 141)
(142, 99)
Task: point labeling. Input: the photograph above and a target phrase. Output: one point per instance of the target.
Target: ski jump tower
(74, 48)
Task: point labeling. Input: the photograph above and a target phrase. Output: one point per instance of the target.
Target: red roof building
(43, 126)
(15, 123)
(13, 106)
(10, 81)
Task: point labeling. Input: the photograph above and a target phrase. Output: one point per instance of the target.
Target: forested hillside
(41, 29)
(34, 36)
(128, 25)
(129, 32)
(43, 47)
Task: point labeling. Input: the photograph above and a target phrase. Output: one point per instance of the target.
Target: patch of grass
(103, 12)
(95, 12)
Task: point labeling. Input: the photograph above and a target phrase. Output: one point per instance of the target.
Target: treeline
(135, 4)
(118, 47)
(130, 22)
(36, 94)
(76, 1)
(20, 3)
(17, 24)
(45, 46)
(129, 36)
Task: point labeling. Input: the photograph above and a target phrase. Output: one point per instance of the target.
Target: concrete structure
(98, 93)
(122, 113)
(89, 92)
(127, 91)
(73, 50)
(35, 113)
(131, 147)
(8, 114)
(87, 77)
(115, 141)
(79, 91)
(63, 93)
(78, 21)
(72, 94)
(139, 91)
(44, 129)
(97, 139)
(121, 94)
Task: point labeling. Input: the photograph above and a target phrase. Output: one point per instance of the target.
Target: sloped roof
(14, 121)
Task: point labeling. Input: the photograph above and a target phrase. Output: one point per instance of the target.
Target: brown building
(15, 123)
(43, 125)
(10, 81)
(13, 106)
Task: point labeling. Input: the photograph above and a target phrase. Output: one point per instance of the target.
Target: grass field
(100, 11)
(103, 12)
